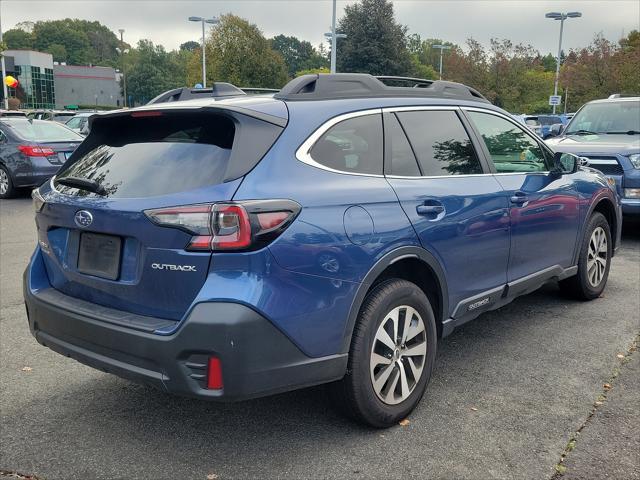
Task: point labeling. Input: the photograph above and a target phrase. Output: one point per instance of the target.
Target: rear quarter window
(353, 145)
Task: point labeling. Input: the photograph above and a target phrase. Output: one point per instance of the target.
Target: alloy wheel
(4, 182)
(597, 257)
(398, 355)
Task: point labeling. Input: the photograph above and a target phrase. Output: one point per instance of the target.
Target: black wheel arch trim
(381, 265)
(601, 197)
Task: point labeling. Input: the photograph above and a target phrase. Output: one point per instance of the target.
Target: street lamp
(442, 48)
(333, 36)
(212, 21)
(122, 51)
(562, 17)
(4, 74)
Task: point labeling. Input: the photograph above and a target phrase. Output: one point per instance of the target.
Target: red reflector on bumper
(214, 374)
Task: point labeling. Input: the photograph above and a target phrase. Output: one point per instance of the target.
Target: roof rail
(258, 90)
(219, 89)
(362, 85)
(391, 81)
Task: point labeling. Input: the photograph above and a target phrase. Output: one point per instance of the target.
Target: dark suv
(330, 233)
(606, 134)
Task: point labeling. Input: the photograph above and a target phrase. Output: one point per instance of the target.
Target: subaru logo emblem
(83, 218)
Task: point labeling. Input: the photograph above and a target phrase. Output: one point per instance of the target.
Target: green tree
(59, 52)
(313, 71)
(190, 46)
(627, 64)
(238, 53)
(549, 63)
(84, 42)
(298, 54)
(375, 42)
(151, 71)
(18, 39)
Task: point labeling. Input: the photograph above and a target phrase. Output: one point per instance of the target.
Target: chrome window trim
(413, 108)
(303, 155)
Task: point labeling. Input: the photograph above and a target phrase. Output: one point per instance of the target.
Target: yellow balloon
(10, 81)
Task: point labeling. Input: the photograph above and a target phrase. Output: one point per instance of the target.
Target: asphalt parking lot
(509, 391)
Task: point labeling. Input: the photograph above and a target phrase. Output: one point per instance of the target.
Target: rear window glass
(43, 131)
(353, 145)
(142, 157)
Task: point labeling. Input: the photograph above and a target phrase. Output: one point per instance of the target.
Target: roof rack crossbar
(361, 85)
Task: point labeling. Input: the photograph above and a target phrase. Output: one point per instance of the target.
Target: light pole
(442, 48)
(562, 17)
(4, 75)
(122, 51)
(333, 36)
(212, 21)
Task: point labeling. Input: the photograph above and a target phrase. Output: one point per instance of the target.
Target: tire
(7, 190)
(588, 283)
(384, 406)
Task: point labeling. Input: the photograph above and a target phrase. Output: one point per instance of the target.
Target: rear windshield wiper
(582, 132)
(82, 184)
(628, 132)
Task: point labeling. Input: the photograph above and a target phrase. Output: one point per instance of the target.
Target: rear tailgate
(103, 248)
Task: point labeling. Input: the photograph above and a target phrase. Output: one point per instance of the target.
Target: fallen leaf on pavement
(26, 369)
(405, 422)
(607, 386)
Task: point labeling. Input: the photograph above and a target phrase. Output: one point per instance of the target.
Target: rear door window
(440, 143)
(353, 145)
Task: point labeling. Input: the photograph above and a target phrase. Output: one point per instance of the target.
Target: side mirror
(566, 163)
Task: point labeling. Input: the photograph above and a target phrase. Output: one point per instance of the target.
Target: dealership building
(45, 84)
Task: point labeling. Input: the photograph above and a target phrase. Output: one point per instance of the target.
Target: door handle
(519, 198)
(429, 209)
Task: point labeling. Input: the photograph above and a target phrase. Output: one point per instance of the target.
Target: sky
(522, 21)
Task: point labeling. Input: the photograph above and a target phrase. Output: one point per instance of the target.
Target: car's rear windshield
(549, 120)
(43, 131)
(132, 157)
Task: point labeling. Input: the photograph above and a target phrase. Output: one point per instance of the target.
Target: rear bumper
(257, 359)
(36, 174)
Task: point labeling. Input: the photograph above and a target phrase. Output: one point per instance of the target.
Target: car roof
(615, 100)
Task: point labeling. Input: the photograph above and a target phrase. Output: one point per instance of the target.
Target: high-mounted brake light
(34, 151)
(228, 226)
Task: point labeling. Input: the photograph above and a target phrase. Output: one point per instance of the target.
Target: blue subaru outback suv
(330, 233)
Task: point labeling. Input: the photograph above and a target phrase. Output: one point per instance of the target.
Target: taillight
(228, 226)
(34, 151)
